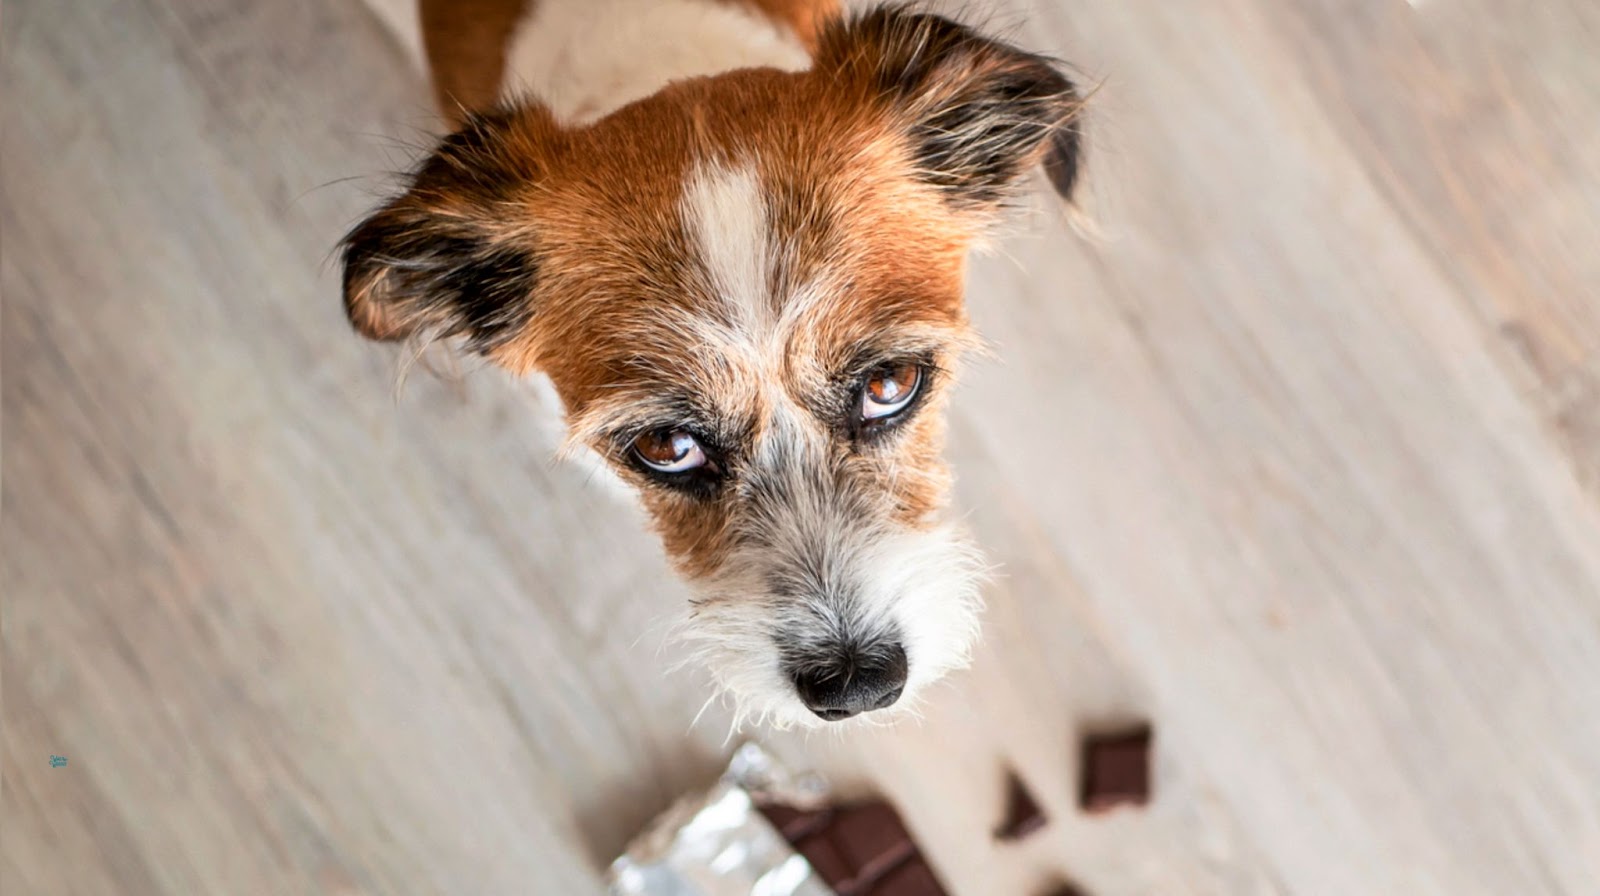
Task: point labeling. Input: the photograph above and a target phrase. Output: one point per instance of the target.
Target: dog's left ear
(979, 113)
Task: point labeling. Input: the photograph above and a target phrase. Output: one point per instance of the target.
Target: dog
(733, 235)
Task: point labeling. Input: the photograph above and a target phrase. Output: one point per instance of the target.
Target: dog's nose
(854, 683)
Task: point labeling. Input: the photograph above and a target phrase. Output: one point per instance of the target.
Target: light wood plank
(1297, 461)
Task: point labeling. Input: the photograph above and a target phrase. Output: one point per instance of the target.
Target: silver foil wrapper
(718, 844)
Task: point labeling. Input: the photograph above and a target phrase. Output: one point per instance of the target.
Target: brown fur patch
(616, 262)
(617, 309)
(466, 43)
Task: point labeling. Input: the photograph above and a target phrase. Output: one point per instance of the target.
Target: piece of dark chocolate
(1023, 815)
(795, 824)
(827, 859)
(914, 878)
(858, 850)
(1061, 887)
(869, 831)
(1116, 770)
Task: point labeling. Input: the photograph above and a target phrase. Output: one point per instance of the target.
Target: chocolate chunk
(784, 818)
(1062, 888)
(869, 831)
(914, 878)
(796, 824)
(827, 859)
(859, 850)
(1023, 815)
(883, 866)
(1116, 770)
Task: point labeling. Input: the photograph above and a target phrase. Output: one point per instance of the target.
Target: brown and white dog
(733, 234)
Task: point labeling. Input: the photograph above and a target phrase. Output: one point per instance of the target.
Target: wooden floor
(1297, 456)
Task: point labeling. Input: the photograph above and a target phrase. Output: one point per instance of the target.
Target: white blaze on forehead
(725, 212)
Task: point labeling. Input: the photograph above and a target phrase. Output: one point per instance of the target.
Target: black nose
(853, 682)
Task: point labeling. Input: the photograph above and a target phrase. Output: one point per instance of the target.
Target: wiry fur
(734, 255)
(977, 112)
(820, 566)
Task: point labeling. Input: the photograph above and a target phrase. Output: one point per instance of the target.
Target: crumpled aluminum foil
(718, 844)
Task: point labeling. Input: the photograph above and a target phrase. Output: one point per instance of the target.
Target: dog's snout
(853, 683)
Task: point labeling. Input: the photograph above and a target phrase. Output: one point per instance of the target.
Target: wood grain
(1298, 457)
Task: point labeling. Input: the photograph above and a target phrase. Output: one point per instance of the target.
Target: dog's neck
(586, 58)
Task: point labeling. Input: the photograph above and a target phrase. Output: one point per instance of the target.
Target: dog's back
(584, 58)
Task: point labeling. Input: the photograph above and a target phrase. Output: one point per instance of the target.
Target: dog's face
(747, 291)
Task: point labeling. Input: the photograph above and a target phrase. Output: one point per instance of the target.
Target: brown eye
(669, 451)
(890, 391)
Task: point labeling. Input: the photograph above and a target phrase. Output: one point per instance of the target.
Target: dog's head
(747, 290)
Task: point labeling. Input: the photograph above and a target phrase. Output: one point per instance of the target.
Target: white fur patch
(726, 214)
(826, 566)
(587, 58)
(923, 584)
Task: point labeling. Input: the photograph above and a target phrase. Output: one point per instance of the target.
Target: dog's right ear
(449, 257)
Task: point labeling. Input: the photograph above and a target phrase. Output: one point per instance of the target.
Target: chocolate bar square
(1062, 887)
(795, 824)
(869, 831)
(914, 878)
(858, 850)
(1116, 770)
(826, 858)
(1023, 815)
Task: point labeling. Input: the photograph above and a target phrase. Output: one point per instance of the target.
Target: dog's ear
(449, 258)
(978, 113)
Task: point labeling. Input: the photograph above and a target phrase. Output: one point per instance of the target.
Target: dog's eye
(889, 390)
(670, 451)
